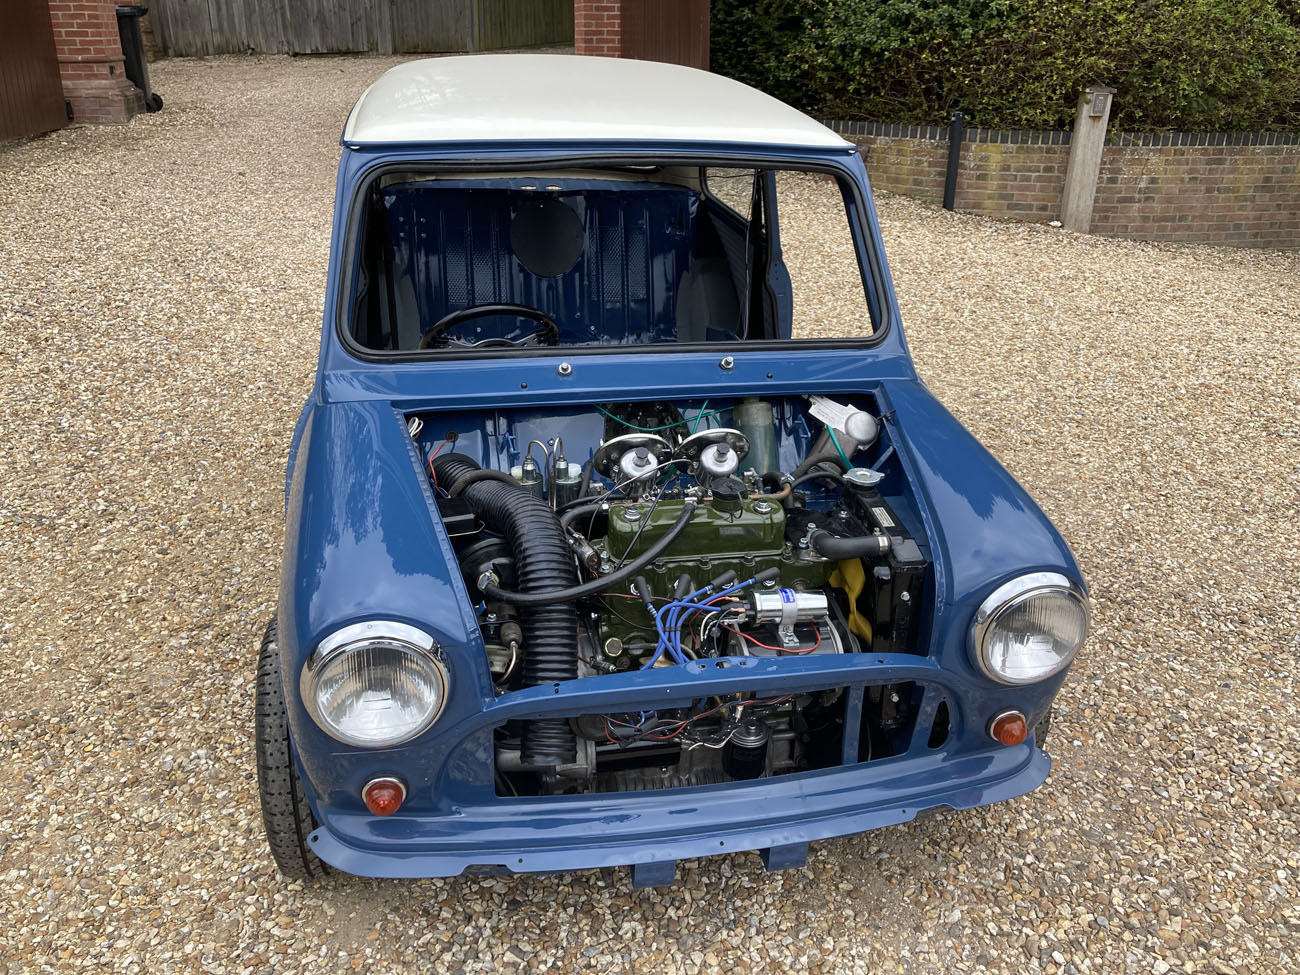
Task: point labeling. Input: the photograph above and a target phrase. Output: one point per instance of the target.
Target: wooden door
(31, 92)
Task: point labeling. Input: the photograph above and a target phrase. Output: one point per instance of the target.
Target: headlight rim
(354, 636)
(1011, 594)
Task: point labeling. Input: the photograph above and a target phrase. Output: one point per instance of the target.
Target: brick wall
(90, 61)
(597, 27)
(1191, 187)
(1002, 173)
(1244, 195)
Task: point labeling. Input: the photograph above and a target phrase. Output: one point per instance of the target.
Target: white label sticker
(882, 518)
(831, 413)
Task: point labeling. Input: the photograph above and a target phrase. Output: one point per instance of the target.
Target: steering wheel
(546, 332)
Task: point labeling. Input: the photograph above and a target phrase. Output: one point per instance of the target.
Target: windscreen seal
(873, 273)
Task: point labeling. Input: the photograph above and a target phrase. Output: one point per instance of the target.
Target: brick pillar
(90, 61)
(597, 27)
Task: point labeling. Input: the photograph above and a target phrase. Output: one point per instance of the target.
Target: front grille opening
(939, 728)
(733, 738)
(888, 720)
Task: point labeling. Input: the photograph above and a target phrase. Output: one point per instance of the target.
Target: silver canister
(568, 481)
(529, 477)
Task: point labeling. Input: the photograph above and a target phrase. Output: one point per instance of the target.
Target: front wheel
(285, 813)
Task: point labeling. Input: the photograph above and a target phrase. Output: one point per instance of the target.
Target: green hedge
(1190, 65)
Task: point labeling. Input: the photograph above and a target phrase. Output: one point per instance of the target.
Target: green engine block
(745, 540)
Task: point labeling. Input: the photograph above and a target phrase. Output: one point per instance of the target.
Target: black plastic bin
(137, 67)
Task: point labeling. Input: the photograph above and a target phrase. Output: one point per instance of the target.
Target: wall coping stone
(1052, 137)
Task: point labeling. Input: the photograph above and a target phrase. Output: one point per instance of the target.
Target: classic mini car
(620, 528)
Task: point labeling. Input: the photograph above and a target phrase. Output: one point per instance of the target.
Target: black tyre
(285, 813)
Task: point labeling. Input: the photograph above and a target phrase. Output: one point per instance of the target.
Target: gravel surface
(160, 293)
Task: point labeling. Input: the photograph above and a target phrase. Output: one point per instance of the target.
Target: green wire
(703, 406)
(666, 426)
(838, 449)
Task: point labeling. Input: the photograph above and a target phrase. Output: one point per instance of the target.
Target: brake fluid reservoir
(568, 481)
(529, 476)
(754, 418)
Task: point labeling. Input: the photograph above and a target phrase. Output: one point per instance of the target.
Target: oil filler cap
(727, 495)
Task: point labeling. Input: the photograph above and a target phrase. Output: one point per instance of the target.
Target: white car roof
(562, 98)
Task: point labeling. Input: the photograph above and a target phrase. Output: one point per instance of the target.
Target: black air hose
(493, 591)
(456, 489)
(543, 561)
(570, 515)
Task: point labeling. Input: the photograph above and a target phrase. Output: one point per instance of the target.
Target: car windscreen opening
(605, 257)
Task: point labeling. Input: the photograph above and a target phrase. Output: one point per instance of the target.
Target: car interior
(630, 256)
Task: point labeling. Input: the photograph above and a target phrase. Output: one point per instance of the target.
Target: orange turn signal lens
(383, 796)
(1009, 728)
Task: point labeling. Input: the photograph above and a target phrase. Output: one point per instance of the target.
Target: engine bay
(628, 536)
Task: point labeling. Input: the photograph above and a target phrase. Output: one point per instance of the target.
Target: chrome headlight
(1029, 628)
(375, 684)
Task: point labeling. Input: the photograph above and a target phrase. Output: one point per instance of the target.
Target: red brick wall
(994, 178)
(1023, 181)
(90, 61)
(1243, 195)
(597, 27)
(912, 167)
(1247, 196)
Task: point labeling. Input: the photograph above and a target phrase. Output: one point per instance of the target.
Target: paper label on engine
(882, 518)
(831, 413)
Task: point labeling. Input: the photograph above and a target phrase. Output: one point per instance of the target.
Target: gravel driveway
(160, 295)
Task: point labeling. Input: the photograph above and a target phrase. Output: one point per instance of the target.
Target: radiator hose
(861, 547)
(543, 562)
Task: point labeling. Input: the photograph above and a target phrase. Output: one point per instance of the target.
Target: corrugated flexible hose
(542, 561)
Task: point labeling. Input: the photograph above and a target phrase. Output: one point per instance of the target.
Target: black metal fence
(196, 27)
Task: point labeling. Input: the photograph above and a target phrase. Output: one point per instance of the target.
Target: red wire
(672, 736)
(693, 718)
(683, 725)
(814, 646)
(746, 636)
(432, 474)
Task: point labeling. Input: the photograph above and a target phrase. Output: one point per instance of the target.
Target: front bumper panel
(663, 827)
(464, 825)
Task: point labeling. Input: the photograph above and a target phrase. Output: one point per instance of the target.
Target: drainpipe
(956, 135)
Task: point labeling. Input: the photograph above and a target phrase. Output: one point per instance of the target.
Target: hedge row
(1189, 65)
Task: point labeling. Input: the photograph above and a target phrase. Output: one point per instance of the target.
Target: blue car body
(363, 541)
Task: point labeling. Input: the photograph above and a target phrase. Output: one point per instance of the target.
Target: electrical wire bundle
(649, 726)
(670, 618)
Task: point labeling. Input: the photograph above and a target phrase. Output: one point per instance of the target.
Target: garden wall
(1229, 188)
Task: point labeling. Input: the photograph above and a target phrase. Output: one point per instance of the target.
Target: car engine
(686, 531)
